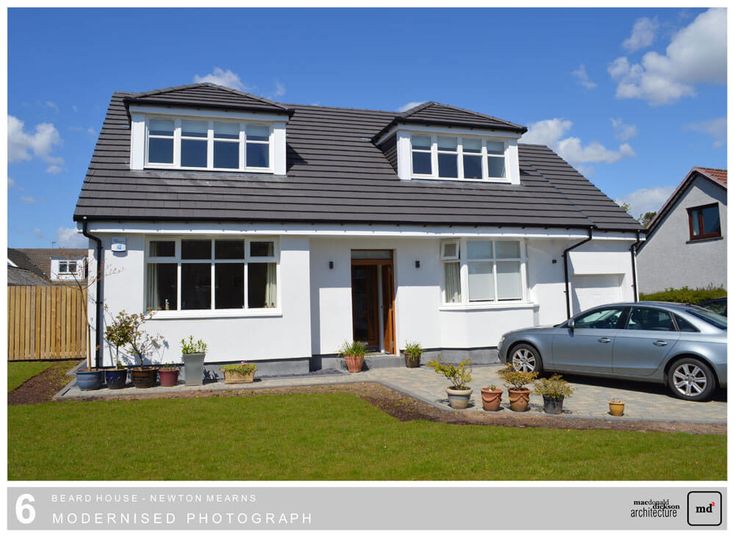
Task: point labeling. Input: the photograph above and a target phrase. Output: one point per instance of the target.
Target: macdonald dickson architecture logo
(704, 508)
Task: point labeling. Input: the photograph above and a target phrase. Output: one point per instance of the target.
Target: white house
(686, 242)
(277, 232)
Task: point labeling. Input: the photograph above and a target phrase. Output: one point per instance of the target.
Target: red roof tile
(716, 174)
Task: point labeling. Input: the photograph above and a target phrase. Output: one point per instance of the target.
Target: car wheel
(691, 379)
(525, 358)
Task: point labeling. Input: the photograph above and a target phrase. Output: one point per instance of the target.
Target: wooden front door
(373, 303)
(389, 333)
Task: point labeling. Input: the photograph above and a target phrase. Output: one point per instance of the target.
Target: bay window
(208, 144)
(483, 271)
(452, 157)
(211, 274)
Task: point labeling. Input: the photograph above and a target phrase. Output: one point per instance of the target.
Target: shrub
(126, 330)
(554, 387)
(413, 349)
(516, 380)
(685, 295)
(242, 368)
(190, 346)
(353, 349)
(459, 374)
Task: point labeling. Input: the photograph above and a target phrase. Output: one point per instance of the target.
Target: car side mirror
(570, 324)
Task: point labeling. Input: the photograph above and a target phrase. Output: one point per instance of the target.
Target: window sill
(704, 239)
(501, 181)
(488, 306)
(216, 314)
(251, 170)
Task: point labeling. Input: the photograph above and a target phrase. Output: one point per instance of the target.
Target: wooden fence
(47, 322)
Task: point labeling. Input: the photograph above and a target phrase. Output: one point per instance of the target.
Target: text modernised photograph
(333, 260)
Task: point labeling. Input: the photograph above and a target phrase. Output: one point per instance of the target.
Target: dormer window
(458, 157)
(208, 144)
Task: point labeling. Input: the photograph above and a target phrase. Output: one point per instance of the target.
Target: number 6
(24, 510)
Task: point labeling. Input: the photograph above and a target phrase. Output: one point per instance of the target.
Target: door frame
(378, 263)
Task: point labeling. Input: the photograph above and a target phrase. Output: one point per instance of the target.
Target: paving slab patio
(642, 401)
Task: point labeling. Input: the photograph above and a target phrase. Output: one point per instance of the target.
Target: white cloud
(410, 105)
(70, 238)
(623, 131)
(644, 200)
(552, 133)
(223, 77)
(583, 79)
(24, 146)
(697, 54)
(716, 128)
(28, 200)
(280, 89)
(642, 34)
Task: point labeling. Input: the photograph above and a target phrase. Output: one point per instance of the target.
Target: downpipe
(633, 254)
(566, 268)
(99, 304)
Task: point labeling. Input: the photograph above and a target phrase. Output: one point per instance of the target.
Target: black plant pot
(116, 379)
(553, 406)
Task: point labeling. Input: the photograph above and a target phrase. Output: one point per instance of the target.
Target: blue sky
(632, 97)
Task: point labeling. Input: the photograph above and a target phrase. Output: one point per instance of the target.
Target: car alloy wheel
(524, 360)
(690, 379)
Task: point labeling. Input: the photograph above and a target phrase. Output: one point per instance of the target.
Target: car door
(587, 348)
(644, 343)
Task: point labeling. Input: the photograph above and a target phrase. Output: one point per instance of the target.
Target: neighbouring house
(686, 243)
(46, 266)
(277, 232)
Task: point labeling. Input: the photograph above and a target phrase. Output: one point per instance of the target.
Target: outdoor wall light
(417, 263)
(331, 265)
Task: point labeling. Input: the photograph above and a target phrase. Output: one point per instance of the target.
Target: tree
(647, 218)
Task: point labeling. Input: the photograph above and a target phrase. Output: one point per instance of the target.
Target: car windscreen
(710, 317)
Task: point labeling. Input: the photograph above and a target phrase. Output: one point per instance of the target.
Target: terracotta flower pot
(616, 409)
(354, 363)
(169, 377)
(519, 399)
(491, 398)
(459, 398)
(238, 377)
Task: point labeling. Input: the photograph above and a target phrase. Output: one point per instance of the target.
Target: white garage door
(594, 290)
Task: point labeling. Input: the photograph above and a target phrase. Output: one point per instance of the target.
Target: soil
(41, 388)
(406, 408)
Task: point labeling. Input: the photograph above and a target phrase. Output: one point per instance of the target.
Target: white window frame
(464, 272)
(435, 151)
(212, 311)
(67, 262)
(242, 141)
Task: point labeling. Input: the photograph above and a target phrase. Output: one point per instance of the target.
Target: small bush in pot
(517, 382)
(553, 389)
(412, 354)
(193, 353)
(459, 375)
(491, 398)
(354, 355)
(139, 343)
(118, 334)
(239, 373)
(617, 407)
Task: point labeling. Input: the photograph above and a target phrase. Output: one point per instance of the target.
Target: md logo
(704, 508)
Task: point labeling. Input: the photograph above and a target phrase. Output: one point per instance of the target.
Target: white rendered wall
(249, 337)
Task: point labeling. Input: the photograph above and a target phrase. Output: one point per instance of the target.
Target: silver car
(683, 346)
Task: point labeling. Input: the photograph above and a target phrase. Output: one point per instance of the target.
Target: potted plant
(460, 375)
(554, 390)
(354, 356)
(193, 352)
(239, 373)
(617, 407)
(168, 375)
(118, 334)
(412, 354)
(516, 382)
(89, 379)
(491, 398)
(140, 343)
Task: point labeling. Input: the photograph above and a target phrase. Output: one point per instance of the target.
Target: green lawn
(326, 437)
(20, 372)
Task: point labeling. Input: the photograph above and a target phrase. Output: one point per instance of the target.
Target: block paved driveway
(642, 401)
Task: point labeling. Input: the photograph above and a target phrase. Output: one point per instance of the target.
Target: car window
(710, 317)
(684, 325)
(606, 318)
(649, 319)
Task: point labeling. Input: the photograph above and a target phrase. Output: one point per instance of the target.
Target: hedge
(685, 295)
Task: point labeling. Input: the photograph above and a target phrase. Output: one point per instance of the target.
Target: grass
(326, 437)
(20, 372)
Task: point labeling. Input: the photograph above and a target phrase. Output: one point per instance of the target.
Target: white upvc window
(478, 271)
(200, 274)
(208, 144)
(458, 157)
